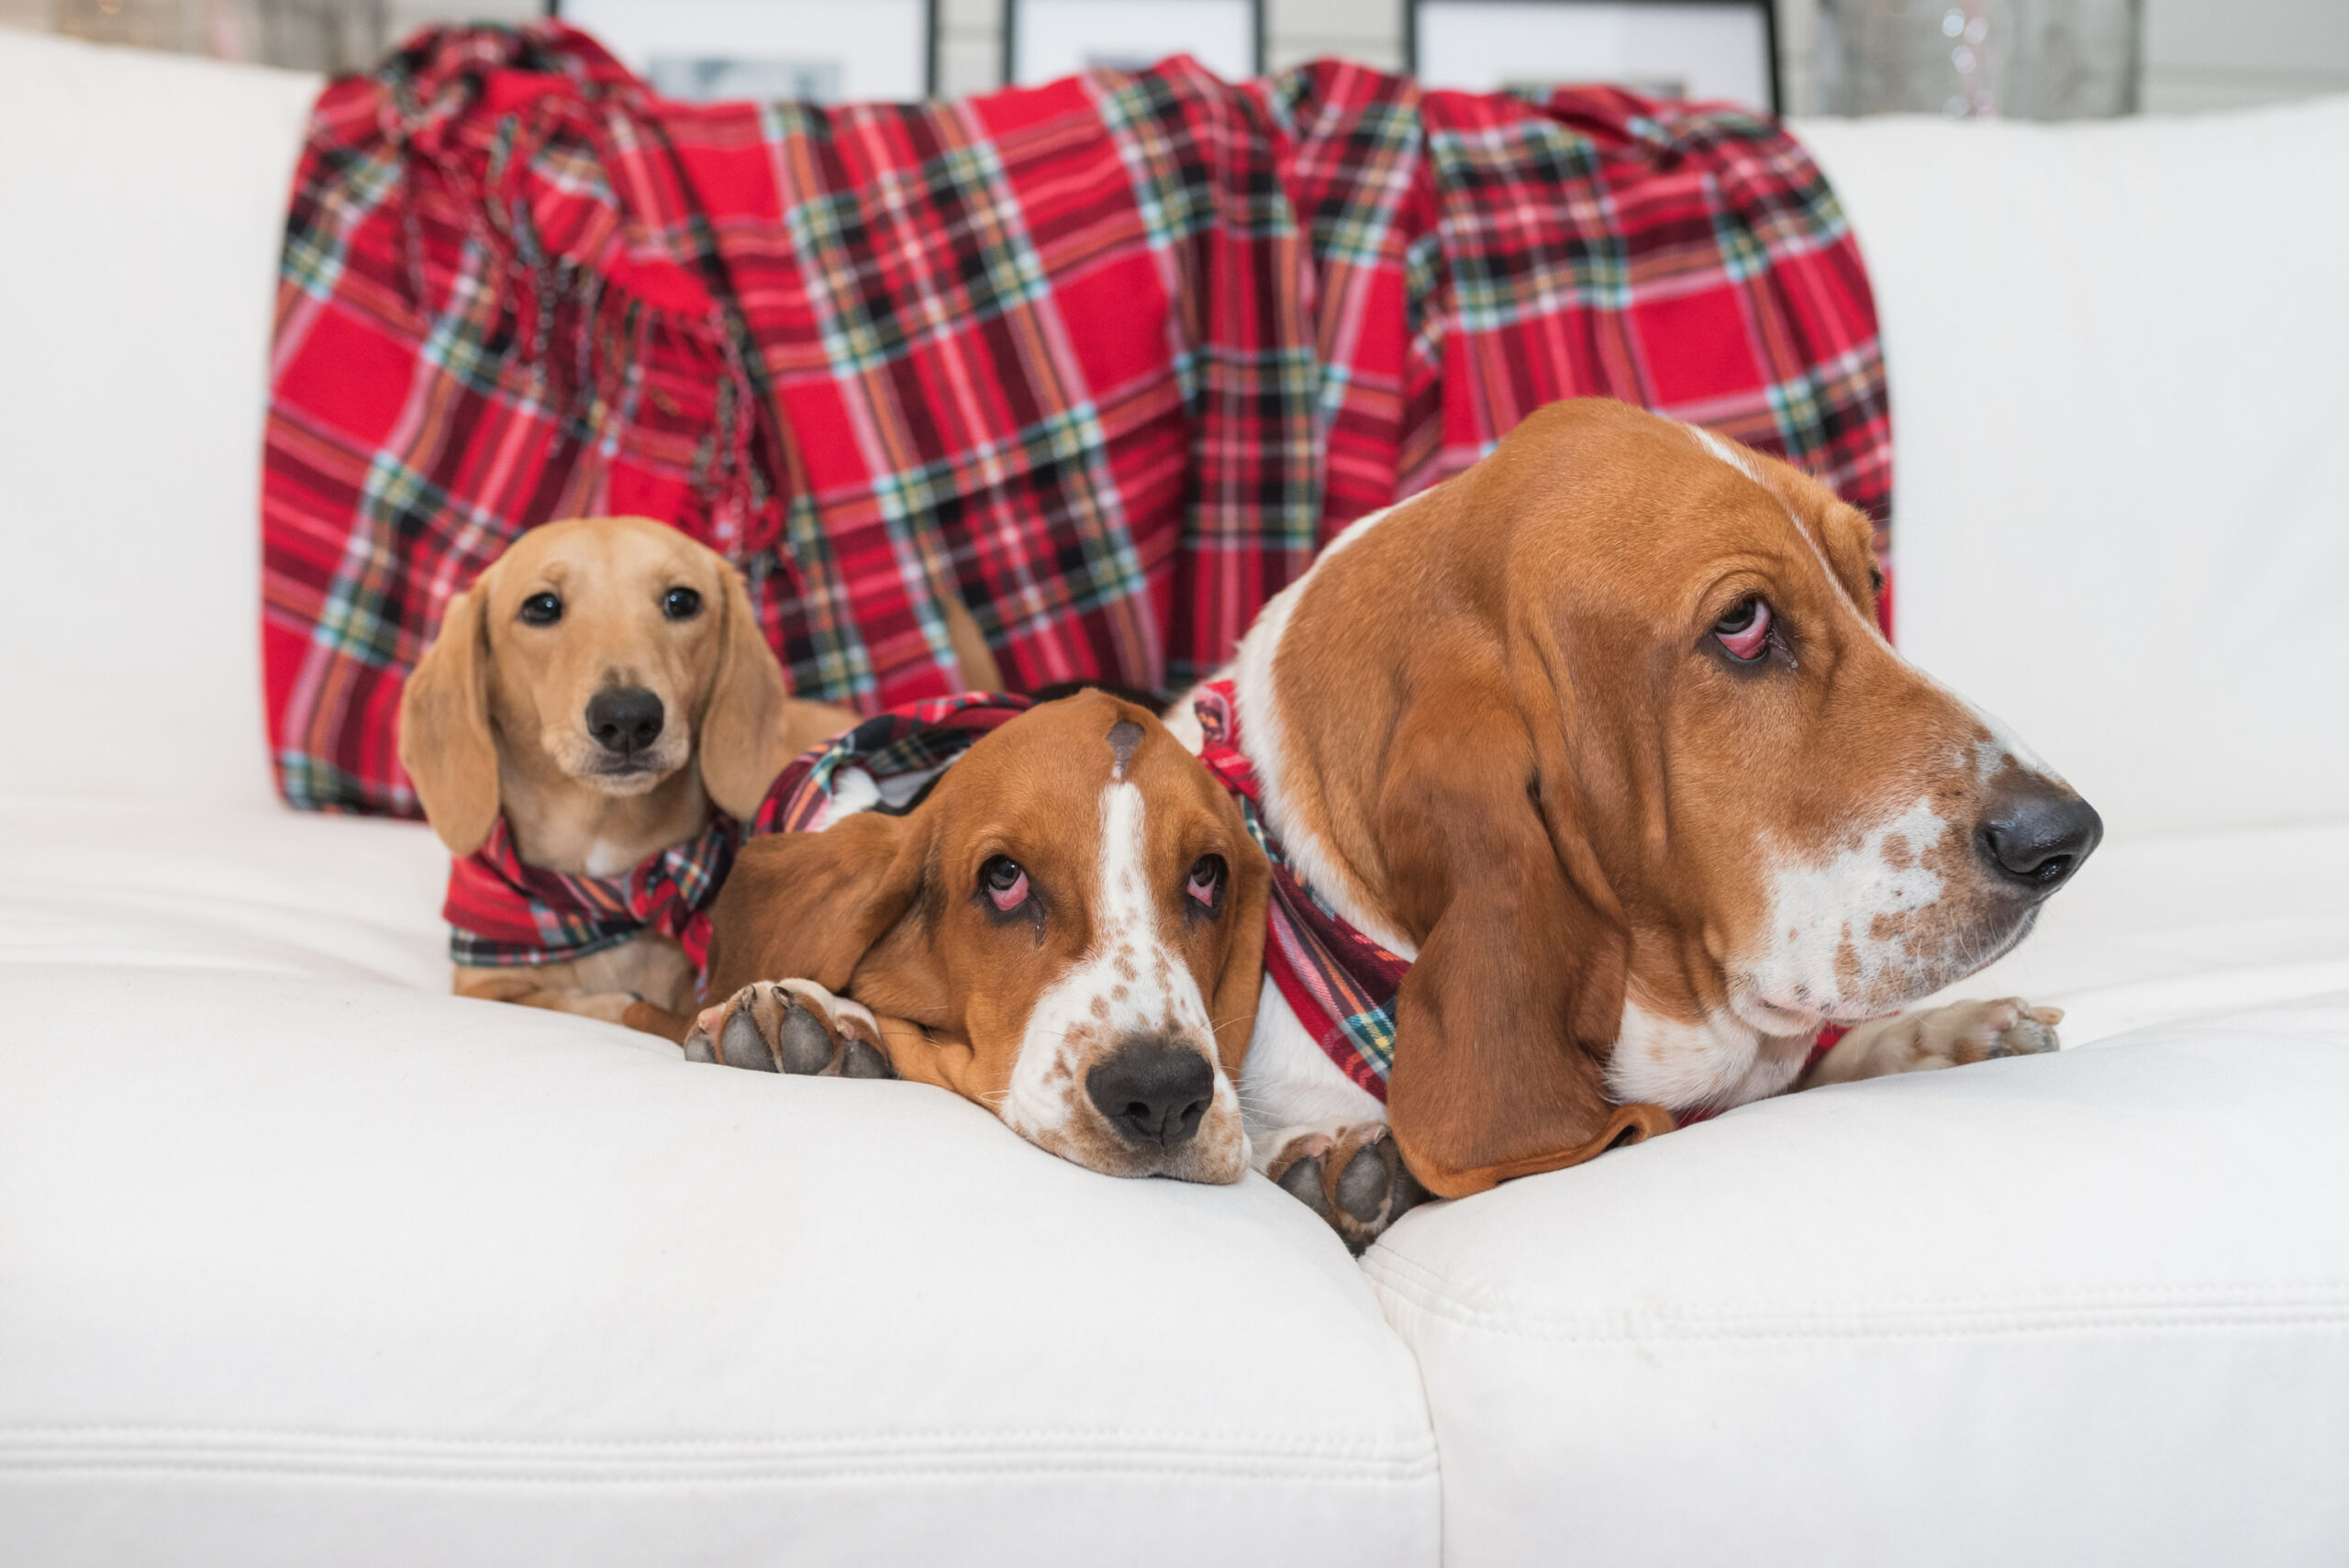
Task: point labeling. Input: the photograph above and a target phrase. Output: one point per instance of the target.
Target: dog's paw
(1351, 1175)
(1953, 1036)
(790, 1026)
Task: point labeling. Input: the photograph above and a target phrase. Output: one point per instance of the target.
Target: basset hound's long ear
(745, 739)
(1507, 1017)
(1232, 1010)
(445, 741)
(816, 906)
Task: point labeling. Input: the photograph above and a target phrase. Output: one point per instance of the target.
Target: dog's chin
(639, 776)
(1780, 1009)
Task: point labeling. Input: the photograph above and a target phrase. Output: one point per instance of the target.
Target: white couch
(303, 1261)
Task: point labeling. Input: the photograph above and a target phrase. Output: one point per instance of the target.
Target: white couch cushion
(145, 197)
(2157, 930)
(2121, 438)
(150, 886)
(2083, 1308)
(295, 1271)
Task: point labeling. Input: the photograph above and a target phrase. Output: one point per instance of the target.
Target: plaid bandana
(1340, 983)
(502, 913)
(1107, 360)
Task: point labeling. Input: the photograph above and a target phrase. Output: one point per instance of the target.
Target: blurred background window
(1049, 38)
(827, 51)
(2033, 59)
(1714, 49)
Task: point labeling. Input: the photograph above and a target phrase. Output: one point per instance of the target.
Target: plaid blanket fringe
(1105, 359)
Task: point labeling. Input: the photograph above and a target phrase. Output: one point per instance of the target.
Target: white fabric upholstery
(299, 1272)
(2153, 930)
(144, 198)
(2122, 441)
(2081, 1308)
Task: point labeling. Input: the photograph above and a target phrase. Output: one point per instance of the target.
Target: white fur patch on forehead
(1129, 982)
(1723, 451)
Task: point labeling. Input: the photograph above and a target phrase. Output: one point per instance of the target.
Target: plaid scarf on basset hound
(502, 913)
(1341, 984)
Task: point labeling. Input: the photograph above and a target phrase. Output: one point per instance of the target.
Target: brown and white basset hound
(1067, 927)
(1600, 735)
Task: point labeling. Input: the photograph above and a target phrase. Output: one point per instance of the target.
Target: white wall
(2209, 54)
(2198, 54)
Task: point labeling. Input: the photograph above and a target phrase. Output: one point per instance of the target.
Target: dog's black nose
(1152, 1091)
(623, 719)
(2037, 836)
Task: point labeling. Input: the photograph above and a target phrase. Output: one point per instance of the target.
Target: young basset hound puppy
(1599, 742)
(1067, 928)
(600, 687)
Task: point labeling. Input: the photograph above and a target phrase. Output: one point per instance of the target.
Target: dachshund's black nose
(2036, 837)
(1152, 1091)
(623, 719)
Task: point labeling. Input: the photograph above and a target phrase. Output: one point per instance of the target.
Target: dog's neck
(561, 824)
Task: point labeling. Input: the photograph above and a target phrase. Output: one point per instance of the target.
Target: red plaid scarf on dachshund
(1341, 984)
(502, 913)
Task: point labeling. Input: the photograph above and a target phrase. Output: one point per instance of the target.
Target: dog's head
(1074, 916)
(601, 655)
(1658, 800)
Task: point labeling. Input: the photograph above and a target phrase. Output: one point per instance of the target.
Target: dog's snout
(2037, 836)
(623, 719)
(1152, 1091)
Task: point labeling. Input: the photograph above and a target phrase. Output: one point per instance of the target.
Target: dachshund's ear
(1506, 1021)
(746, 737)
(812, 906)
(445, 741)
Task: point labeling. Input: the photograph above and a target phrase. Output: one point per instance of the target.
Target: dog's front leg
(1953, 1036)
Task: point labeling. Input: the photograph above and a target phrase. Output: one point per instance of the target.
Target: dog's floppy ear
(445, 741)
(1505, 1023)
(1231, 1011)
(743, 740)
(812, 906)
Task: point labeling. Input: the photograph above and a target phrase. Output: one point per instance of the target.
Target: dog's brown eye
(1206, 880)
(681, 603)
(1005, 883)
(541, 610)
(1745, 632)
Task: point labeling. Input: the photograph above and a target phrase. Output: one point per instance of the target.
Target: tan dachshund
(603, 684)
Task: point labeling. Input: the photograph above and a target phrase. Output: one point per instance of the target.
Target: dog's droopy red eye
(1745, 630)
(1005, 883)
(1206, 880)
(541, 610)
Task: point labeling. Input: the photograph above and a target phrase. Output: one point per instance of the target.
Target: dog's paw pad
(803, 1046)
(861, 1059)
(1363, 1184)
(792, 1028)
(1352, 1177)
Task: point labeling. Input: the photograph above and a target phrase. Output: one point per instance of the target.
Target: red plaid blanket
(503, 913)
(1106, 358)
